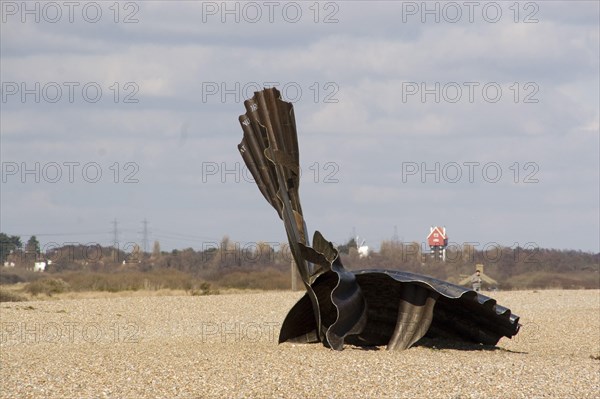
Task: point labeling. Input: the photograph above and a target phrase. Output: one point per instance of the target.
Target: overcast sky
(482, 117)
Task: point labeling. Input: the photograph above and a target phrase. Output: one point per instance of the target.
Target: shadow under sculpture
(366, 307)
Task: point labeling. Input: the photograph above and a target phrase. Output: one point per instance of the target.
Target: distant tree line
(503, 264)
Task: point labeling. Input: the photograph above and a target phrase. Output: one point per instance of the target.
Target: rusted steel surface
(367, 307)
(403, 307)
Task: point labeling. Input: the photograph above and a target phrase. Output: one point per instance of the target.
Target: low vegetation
(229, 265)
(268, 279)
(575, 280)
(48, 286)
(11, 296)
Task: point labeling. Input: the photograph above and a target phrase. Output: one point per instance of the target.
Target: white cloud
(364, 61)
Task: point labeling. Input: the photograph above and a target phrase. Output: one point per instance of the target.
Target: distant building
(438, 241)
(362, 249)
(39, 266)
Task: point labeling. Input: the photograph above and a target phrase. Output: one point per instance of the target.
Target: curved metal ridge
(345, 295)
(458, 311)
(366, 307)
(270, 150)
(420, 309)
(447, 289)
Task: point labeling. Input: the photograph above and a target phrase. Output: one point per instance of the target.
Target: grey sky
(381, 91)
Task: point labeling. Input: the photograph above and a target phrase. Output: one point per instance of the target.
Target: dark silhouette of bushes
(9, 296)
(47, 286)
(268, 279)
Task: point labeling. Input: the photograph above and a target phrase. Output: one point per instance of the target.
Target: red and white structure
(438, 241)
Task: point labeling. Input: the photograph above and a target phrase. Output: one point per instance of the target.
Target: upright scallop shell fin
(368, 307)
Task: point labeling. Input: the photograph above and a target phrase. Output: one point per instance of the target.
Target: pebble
(226, 346)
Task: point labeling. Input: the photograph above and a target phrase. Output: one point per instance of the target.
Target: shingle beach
(226, 346)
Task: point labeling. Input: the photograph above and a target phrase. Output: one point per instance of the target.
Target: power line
(60, 234)
(144, 233)
(115, 233)
(186, 236)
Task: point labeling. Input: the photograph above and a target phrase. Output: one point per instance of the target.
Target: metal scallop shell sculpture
(367, 307)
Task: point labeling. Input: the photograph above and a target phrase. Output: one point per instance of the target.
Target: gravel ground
(226, 346)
